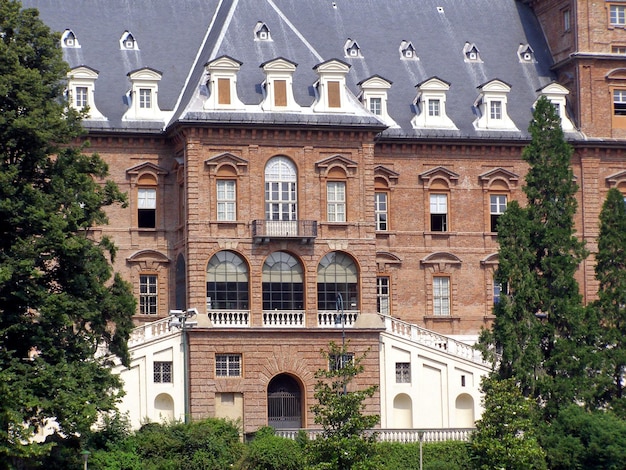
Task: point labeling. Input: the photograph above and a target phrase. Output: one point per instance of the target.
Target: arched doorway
(284, 403)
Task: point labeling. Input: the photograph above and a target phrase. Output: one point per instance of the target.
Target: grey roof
(178, 37)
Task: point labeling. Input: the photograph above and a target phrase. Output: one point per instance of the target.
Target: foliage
(58, 300)
(610, 307)
(270, 452)
(449, 455)
(540, 326)
(580, 439)
(505, 435)
(344, 442)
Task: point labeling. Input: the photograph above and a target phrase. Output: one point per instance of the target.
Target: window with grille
(382, 295)
(380, 210)
(403, 372)
(163, 372)
(281, 201)
(145, 98)
(148, 294)
(80, 98)
(495, 109)
(441, 296)
(226, 200)
(336, 201)
(434, 107)
(376, 106)
(439, 212)
(228, 365)
(497, 206)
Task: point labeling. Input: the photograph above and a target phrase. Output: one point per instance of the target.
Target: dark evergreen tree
(59, 300)
(540, 328)
(610, 308)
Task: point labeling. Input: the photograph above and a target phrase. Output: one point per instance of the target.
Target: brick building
(288, 161)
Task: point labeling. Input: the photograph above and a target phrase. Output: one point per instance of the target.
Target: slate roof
(178, 37)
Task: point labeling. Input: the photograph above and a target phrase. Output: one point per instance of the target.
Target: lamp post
(85, 455)
(180, 319)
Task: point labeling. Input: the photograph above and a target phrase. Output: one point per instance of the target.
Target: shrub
(270, 452)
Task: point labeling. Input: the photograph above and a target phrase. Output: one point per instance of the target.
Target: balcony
(265, 230)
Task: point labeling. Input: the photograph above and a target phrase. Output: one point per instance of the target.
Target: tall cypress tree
(59, 299)
(610, 308)
(540, 325)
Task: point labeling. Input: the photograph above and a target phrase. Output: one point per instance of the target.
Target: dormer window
(223, 84)
(81, 87)
(69, 40)
(352, 49)
(331, 86)
(144, 91)
(127, 42)
(407, 51)
(262, 32)
(431, 105)
(557, 95)
(491, 107)
(374, 97)
(525, 53)
(471, 53)
(278, 85)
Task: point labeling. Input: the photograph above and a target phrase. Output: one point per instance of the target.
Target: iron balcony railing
(266, 230)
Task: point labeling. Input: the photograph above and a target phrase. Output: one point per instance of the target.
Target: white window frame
(617, 15)
(383, 295)
(336, 201)
(228, 365)
(381, 210)
(495, 110)
(497, 206)
(81, 97)
(441, 296)
(439, 208)
(146, 201)
(148, 294)
(226, 200)
(376, 105)
(434, 107)
(281, 192)
(619, 99)
(145, 98)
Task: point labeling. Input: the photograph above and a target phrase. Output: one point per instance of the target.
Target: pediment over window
(557, 95)
(143, 256)
(146, 167)
(348, 165)
(617, 179)
(226, 158)
(431, 105)
(384, 258)
(222, 83)
(331, 90)
(381, 171)
(439, 172)
(81, 83)
(491, 260)
(441, 257)
(488, 178)
(278, 85)
(617, 74)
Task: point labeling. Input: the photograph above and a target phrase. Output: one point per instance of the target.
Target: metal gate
(284, 407)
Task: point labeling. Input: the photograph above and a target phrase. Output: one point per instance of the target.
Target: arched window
(281, 197)
(283, 282)
(227, 282)
(337, 273)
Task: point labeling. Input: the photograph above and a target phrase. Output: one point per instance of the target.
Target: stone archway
(284, 403)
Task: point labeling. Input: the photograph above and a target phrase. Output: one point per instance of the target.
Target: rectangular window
(228, 365)
(567, 21)
(145, 98)
(497, 206)
(223, 91)
(434, 107)
(280, 92)
(334, 96)
(336, 201)
(618, 15)
(495, 109)
(81, 96)
(441, 296)
(380, 210)
(618, 50)
(403, 372)
(148, 294)
(339, 361)
(619, 102)
(439, 212)
(382, 295)
(146, 207)
(226, 200)
(497, 292)
(163, 372)
(376, 106)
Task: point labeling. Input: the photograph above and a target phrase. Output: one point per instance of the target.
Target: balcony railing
(397, 435)
(284, 318)
(332, 318)
(266, 230)
(230, 318)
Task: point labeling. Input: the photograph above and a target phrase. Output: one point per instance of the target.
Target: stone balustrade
(332, 318)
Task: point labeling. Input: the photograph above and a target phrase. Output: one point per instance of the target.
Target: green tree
(610, 308)
(505, 435)
(540, 327)
(345, 442)
(59, 300)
